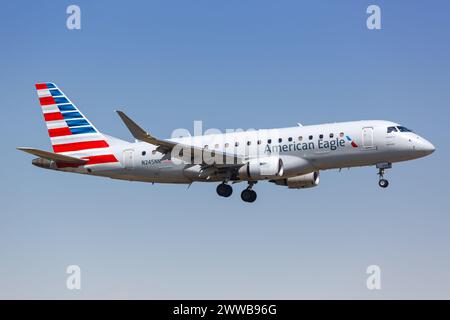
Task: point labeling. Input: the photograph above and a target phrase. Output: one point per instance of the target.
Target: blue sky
(231, 64)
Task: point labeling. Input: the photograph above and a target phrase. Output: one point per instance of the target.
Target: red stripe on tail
(46, 101)
(51, 116)
(76, 146)
(40, 86)
(106, 158)
(57, 132)
(100, 159)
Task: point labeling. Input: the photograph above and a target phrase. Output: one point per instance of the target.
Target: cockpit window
(403, 129)
(391, 129)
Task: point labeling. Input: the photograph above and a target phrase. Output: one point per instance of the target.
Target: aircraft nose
(430, 147)
(425, 147)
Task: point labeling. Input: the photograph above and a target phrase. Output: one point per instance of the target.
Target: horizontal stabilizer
(53, 156)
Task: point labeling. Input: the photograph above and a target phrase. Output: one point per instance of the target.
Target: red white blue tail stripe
(69, 130)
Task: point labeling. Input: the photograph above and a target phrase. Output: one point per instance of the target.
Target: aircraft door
(367, 137)
(127, 159)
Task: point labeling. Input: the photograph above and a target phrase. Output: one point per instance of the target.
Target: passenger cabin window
(321, 136)
(269, 141)
(300, 138)
(259, 141)
(289, 139)
(143, 153)
(280, 140)
(391, 129)
(310, 137)
(331, 135)
(236, 144)
(403, 129)
(249, 143)
(341, 134)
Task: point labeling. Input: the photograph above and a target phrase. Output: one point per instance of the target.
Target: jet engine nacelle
(262, 168)
(299, 182)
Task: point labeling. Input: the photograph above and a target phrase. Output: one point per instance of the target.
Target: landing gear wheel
(383, 183)
(224, 190)
(248, 195)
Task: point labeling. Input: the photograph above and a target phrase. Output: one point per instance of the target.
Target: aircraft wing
(165, 146)
(52, 156)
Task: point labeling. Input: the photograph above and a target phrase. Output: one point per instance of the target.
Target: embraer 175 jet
(291, 157)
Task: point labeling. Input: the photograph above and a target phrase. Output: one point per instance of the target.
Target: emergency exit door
(367, 137)
(127, 158)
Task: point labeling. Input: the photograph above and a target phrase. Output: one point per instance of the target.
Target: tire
(248, 195)
(224, 190)
(383, 183)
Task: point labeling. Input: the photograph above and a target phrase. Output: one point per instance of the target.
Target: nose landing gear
(383, 183)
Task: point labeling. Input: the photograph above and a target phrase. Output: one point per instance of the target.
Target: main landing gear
(224, 190)
(248, 195)
(383, 183)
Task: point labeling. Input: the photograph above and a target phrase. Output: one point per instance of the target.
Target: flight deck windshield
(404, 129)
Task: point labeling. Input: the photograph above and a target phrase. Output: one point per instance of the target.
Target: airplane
(291, 157)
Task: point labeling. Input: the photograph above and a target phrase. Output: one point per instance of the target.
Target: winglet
(140, 133)
(52, 156)
(134, 128)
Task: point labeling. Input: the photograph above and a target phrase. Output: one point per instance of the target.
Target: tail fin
(70, 132)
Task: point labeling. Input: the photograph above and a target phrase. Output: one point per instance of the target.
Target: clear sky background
(231, 64)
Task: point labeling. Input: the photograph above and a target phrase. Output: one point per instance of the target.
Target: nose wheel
(383, 183)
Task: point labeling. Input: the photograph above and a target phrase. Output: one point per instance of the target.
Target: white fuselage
(303, 149)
